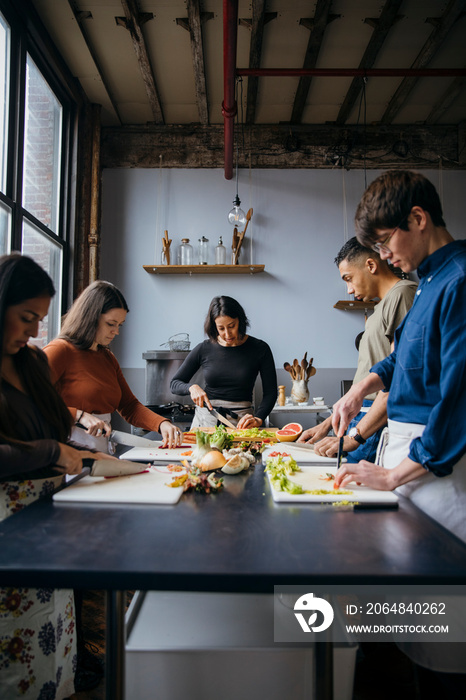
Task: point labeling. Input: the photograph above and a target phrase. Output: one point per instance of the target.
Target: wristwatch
(356, 435)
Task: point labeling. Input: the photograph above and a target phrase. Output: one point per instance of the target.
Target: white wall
(297, 228)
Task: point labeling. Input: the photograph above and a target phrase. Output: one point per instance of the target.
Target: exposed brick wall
(41, 176)
(42, 150)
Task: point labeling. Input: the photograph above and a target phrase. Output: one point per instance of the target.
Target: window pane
(42, 149)
(4, 93)
(5, 224)
(48, 255)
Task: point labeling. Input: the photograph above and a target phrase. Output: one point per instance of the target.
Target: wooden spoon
(311, 370)
(288, 367)
(241, 236)
(303, 368)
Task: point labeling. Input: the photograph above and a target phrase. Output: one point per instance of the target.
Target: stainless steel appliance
(161, 365)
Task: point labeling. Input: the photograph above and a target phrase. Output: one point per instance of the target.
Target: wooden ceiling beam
(382, 26)
(285, 146)
(318, 26)
(80, 18)
(193, 24)
(256, 24)
(442, 26)
(445, 101)
(133, 22)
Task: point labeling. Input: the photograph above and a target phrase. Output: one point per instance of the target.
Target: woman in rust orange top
(88, 376)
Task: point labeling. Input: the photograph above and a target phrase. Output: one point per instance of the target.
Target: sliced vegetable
(202, 447)
(220, 438)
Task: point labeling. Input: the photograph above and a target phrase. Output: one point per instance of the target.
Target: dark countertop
(236, 540)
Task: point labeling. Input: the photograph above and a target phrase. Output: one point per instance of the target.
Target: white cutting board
(301, 455)
(147, 487)
(157, 453)
(308, 478)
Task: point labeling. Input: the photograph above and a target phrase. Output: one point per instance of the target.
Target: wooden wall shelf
(354, 305)
(203, 269)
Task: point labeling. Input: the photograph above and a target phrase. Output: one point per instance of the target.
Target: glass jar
(185, 252)
(203, 250)
(220, 253)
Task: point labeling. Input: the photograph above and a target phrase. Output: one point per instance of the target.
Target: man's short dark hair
(388, 201)
(353, 251)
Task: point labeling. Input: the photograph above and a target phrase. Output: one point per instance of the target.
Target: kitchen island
(237, 540)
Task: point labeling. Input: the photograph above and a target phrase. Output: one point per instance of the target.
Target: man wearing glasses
(368, 277)
(425, 458)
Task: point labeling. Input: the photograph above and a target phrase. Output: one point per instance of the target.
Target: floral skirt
(37, 625)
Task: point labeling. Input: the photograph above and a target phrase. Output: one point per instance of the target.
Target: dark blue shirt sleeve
(443, 441)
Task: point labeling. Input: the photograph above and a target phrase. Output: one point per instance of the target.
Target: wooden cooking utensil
(311, 370)
(303, 368)
(234, 243)
(241, 236)
(166, 242)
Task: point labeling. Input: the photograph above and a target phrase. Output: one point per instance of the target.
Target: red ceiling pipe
(352, 72)
(230, 31)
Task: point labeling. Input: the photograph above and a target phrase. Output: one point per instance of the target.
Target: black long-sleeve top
(230, 372)
(36, 462)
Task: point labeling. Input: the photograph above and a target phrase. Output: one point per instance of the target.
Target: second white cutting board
(147, 487)
(300, 454)
(157, 453)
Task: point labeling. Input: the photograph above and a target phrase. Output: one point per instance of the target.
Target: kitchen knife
(340, 452)
(112, 467)
(221, 418)
(121, 438)
(300, 446)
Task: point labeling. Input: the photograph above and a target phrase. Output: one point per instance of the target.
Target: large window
(4, 101)
(35, 153)
(42, 149)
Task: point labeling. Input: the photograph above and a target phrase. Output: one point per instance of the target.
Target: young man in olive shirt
(367, 277)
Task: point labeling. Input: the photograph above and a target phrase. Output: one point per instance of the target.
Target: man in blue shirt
(400, 215)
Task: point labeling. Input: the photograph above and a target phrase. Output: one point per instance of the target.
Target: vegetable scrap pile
(212, 452)
(195, 480)
(280, 469)
(215, 451)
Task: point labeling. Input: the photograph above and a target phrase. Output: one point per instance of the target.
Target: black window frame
(28, 37)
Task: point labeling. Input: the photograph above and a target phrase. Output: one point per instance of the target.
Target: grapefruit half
(289, 433)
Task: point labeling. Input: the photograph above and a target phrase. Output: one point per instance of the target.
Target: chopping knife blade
(221, 418)
(122, 438)
(340, 452)
(299, 446)
(112, 467)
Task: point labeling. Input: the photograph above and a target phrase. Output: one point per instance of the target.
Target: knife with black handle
(340, 452)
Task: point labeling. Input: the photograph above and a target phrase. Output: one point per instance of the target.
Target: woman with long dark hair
(87, 373)
(37, 626)
(231, 361)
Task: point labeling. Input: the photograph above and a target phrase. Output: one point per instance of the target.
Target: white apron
(444, 499)
(204, 419)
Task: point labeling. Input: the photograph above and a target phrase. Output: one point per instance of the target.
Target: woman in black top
(230, 360)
